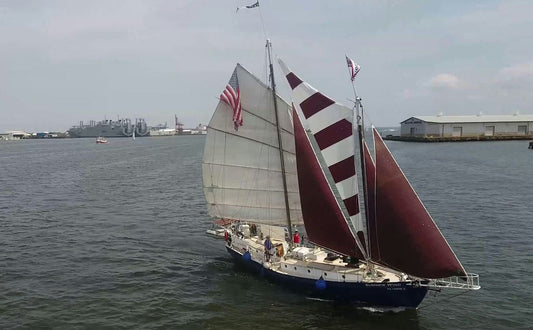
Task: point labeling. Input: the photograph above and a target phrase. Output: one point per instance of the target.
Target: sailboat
(270, 168)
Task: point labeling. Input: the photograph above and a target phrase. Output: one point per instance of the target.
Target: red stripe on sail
(352, 205)
(333, 134)
(343, 169)
(409, 240)
(314, 104)
(324, 222)
(293, 80)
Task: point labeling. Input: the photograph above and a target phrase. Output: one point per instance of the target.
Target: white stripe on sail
(302, 92)
(357, 222)
(326, 117)
(347, 187)
(338, 151)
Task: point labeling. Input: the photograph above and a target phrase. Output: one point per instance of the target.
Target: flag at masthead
(354, 67)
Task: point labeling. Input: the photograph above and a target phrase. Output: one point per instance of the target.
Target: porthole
(325, 274)
(294, 268)
(343, 276)
(285, 266)
(308, 270)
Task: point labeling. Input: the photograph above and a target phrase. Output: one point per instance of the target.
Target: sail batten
(250, 138)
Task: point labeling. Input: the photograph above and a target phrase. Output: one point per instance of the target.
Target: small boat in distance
(530, 145)
(101, 140)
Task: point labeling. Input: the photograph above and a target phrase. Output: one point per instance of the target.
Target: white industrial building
(468, 126)
(14, 135)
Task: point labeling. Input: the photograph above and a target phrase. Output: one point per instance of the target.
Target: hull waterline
(407, 295)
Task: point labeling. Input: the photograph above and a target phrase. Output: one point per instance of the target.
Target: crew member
(296, 238)
(268, 247)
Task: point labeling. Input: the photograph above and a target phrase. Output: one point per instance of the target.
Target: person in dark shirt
(268, 247)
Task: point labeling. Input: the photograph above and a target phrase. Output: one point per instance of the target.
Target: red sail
(408, 239)
(324, 222)
(370, 169)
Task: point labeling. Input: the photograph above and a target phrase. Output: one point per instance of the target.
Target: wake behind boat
(270, 167)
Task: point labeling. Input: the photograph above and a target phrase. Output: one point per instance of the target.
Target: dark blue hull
(396, 295)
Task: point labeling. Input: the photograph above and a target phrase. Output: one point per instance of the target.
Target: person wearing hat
(296, 238)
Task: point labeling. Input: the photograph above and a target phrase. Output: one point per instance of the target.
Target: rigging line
(444, 299)
(266, 67)
(262, 21)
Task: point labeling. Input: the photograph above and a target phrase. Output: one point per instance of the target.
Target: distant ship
(111, 128)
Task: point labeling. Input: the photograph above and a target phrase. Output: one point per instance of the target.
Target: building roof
(474, 118)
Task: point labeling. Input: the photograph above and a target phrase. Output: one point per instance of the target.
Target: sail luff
(360, 136)
(409, 239)
(370, 196)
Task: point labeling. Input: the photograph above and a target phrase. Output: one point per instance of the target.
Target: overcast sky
(66, 61)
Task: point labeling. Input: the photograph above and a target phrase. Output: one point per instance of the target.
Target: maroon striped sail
(407, 237)
(324, 221)
(330, 126)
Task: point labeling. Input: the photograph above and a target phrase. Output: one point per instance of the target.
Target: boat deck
(312, 263)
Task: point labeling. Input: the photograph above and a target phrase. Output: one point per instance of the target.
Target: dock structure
(466, 128)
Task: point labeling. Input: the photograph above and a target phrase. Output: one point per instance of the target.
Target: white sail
(242, 176)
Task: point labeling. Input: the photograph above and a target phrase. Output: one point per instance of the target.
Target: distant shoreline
(456, 138)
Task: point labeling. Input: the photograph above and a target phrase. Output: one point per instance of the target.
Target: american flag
(232, 96)
(354, 67)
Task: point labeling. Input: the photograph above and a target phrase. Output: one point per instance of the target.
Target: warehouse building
(480, 126)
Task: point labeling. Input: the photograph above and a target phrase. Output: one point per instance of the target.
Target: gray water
(112, 236)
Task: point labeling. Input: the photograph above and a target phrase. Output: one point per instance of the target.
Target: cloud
(446, 80)
(520, 70)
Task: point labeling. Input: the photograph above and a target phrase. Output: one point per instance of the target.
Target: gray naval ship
(111, 128)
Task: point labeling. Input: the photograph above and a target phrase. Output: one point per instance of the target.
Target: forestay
(242, 176)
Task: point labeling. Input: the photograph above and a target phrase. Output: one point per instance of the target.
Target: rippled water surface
(112, 236)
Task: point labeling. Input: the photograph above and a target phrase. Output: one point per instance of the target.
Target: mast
(278, 128)
(360, 135)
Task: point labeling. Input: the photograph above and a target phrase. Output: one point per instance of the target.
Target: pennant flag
(249, 6)
(354, 67)
(232, 96)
